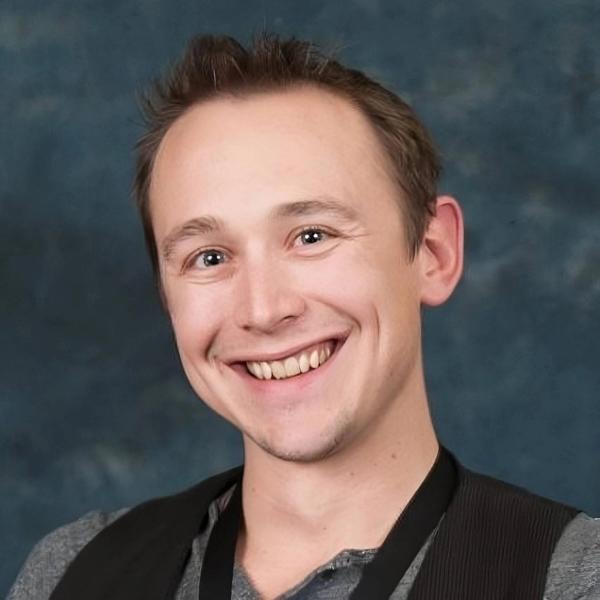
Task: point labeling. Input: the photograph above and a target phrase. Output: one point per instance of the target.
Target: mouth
(299, 369)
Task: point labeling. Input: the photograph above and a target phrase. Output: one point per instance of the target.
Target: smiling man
(290, 209)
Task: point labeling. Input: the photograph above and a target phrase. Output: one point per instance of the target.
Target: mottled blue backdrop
(95, 411)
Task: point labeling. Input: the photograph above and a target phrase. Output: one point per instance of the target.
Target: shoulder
(574, 571)
(513, 493)
(51, 556)
(574, 565)
(532, 516)
(48, 561)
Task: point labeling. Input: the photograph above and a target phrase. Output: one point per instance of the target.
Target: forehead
(264, 149)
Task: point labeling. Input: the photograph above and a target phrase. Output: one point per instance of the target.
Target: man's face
(310, 252)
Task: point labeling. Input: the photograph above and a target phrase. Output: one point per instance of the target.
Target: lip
(278, 388)
(269, 357)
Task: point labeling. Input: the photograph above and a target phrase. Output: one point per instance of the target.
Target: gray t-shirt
(574, 571)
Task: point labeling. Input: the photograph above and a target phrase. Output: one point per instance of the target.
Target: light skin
(329, 463)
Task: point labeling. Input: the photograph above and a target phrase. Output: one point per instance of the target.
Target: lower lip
(290, 385)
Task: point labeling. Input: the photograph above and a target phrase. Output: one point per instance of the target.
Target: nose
(267, 296)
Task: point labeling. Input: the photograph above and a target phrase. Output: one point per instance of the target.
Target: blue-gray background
(95, 412)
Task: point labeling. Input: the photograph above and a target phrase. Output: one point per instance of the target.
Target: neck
(349, 500)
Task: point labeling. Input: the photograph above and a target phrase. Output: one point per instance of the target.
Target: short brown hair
(214, 66)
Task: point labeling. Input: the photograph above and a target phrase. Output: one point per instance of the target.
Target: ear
(440, 255)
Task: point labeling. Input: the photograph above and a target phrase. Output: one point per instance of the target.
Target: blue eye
(213, 258)
(207, 258)
(312, 235)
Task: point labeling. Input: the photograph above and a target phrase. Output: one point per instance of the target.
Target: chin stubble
(300, 455)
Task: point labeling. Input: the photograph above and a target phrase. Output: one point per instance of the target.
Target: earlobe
(441, 252)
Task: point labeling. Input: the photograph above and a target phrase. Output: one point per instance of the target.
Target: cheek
(382, 289)
(195, 313)
(342, 283)
(367, 275)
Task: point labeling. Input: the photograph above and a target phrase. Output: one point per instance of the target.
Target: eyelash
(189, 263)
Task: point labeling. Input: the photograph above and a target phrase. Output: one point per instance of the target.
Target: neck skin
(349, 500)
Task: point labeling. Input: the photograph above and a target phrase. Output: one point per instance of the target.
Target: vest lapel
(495, 542)
(141, 556)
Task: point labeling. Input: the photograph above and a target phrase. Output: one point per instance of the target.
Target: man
(290, 209)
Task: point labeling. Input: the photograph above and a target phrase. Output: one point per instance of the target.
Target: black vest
(494, 543)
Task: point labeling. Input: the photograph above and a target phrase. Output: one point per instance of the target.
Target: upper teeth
(292, 365)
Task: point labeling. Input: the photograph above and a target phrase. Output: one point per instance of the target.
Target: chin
(303, 449)
(299, 455)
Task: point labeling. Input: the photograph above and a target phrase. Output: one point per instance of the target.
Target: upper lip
(271, 356)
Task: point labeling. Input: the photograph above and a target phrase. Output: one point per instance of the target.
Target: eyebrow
(300, 208)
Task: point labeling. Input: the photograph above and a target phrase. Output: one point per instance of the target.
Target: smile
(290, 366)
